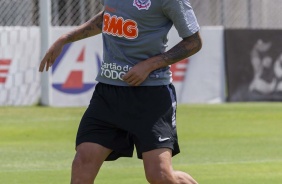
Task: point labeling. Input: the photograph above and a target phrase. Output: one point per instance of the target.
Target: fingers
(47, 65)
(132, 80)
(51, 55)
(126, 77)
(135, 83)
(42, 65)
(46, 61)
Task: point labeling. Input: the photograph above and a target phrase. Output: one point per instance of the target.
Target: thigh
(98, 124)
(157, 162)
(92, 153)
(87, 162)
(156, 128)
(92, 130)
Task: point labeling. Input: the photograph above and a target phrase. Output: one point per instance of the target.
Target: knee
(160, 177)
(82, 159)
(79, 160)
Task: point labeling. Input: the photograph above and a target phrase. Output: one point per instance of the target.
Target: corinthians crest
(142, 4)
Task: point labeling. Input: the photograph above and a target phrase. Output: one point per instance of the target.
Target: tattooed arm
(88, 29)
(187, 47)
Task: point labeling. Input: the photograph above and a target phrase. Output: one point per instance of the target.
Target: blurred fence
(258, 14)
(229, 13)
(19, 12)
(73, 12)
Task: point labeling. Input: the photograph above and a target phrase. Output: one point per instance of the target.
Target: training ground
(220, 144)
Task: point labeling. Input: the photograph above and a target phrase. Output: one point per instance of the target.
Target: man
(134, 103)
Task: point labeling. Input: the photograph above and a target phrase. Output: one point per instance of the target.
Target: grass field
(220, 144)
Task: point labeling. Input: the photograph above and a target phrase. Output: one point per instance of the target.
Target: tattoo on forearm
(99, 23)
(187, 47)
(90, 28)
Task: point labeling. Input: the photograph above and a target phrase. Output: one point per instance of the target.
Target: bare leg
(158, 168)
(87, 162)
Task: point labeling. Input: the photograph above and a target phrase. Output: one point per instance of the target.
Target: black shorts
(120, 117)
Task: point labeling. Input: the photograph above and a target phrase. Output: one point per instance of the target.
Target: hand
(51, 55)
(137, 74)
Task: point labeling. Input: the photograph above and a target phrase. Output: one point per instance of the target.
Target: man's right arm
(88, 29)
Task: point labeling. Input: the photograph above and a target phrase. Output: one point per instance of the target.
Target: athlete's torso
(133, 31)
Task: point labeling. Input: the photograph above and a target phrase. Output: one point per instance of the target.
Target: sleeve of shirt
(182, 15)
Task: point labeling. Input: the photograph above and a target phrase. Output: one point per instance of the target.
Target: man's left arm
(185, 48)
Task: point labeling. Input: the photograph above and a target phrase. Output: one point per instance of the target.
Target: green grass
(220, 144)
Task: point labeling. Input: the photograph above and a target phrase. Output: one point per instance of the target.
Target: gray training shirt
(135, 30)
